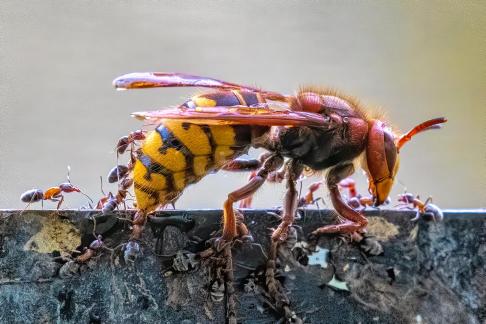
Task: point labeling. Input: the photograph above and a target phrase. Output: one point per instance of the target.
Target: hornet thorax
(320, 148)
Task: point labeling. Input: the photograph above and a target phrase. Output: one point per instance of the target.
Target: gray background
(413, 60)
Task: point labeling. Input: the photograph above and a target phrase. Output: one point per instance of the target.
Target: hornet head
(382, 155)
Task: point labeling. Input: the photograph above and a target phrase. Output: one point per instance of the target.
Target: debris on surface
(382, 229)
(337, 284)
(319, 257)
(55, 235)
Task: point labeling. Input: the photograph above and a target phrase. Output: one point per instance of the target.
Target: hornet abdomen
(177, 154)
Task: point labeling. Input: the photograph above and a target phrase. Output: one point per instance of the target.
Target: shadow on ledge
(428, 272)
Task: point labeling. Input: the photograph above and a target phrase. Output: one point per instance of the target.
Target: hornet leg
(246, 202)
(353, 220)
(274, 287)
(290, 201)
(229, 220)
(237, 165)
(232, 228)
(247, 165)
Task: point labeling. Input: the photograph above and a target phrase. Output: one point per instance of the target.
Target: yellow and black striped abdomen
(177, 154)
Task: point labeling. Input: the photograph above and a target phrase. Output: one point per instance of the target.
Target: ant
(121, 173)
(423, 208)
(110, 202)
(53, 193)
(356, 200)
(91, 250)
(129, 140)
(309, 199)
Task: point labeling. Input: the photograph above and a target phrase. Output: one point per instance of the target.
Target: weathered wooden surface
(429, 272)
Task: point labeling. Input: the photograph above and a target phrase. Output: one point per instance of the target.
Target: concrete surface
(429, 272)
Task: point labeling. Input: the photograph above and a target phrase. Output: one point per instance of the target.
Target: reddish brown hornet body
(315, 128)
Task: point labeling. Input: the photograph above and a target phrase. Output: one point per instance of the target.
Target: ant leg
(417, 216)
(353, 220)
(60, 202)
(403, 206)
(28, 204)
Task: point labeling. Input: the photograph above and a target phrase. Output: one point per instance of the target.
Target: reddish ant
(110, 202)
(125, 141)
(121, 173)
(309, 199)
(423, 208)
(32, 195)
(53, 193)
(356, 200)
(91, 250)
(114, 200)
(104, 199)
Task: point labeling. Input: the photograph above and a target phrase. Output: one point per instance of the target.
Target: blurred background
(413, 60)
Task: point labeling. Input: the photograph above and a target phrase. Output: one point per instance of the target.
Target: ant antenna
(101, 186)
(68, 173)
(300, 191)
(25, 208)
(404, 186)
(69, 181)
(89, 198)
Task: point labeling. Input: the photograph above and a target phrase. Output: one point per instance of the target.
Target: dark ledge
(429, 272)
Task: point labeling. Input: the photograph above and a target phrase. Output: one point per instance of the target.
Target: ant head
(406, 198)
(68, 187)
